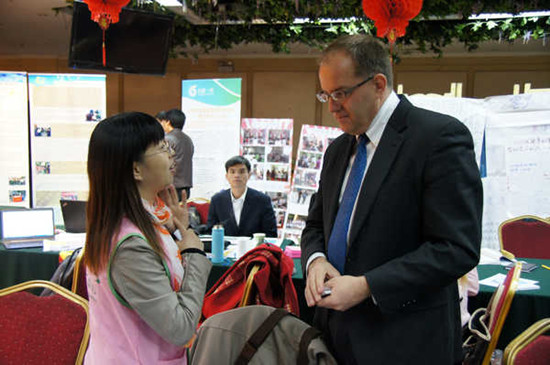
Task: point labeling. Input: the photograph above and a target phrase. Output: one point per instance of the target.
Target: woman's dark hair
(116, 143)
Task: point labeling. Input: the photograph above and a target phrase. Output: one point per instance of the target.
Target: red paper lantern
(391, 17)
(105, 13)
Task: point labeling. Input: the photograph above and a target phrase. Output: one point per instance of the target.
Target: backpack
(63, 275)
(258, 334)
(195, 221)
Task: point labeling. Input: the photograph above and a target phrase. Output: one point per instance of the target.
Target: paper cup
(242, 247)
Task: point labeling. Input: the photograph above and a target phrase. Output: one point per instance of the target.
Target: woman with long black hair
(145, 287)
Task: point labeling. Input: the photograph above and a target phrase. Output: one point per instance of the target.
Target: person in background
(172, 122)
(396, 219)
(241, 210)
(145, 288)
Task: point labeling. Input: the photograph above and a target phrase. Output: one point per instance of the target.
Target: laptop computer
(26, 228)
(74, 215)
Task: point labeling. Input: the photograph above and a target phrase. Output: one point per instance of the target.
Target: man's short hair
(237, 160)
(161, 115)
(369, 55)
(176, 118)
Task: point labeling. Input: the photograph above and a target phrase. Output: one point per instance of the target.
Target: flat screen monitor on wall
(138, 43)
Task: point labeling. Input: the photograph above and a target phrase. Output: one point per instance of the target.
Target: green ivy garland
(431, 30)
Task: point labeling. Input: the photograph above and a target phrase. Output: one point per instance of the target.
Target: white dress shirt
(374, 134)
(238, 205)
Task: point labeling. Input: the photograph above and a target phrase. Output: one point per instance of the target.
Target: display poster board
(312, 145)
(64, 110)
(213, 115)
(518, 160)
(267, 144)
(14, 137)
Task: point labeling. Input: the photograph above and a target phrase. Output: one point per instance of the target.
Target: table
(17, 266)
(21, 265)
(528, 306)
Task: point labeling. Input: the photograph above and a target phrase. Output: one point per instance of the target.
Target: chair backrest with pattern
(79, 285)
(499, 306)
(525, 236)
(532, 346)
(42, 330)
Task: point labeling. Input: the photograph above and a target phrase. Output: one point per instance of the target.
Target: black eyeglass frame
(323, 96)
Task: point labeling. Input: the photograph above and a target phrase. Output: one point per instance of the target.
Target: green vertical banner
(213, 114)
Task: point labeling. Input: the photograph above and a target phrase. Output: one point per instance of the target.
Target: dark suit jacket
(257, 215)
(416, 230)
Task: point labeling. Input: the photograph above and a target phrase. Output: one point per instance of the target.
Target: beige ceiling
(32, 28)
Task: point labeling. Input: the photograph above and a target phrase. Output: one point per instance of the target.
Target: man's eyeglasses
(340, 94)
(164, 148)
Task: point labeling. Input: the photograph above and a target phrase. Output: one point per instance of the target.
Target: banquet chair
(499, 306)
(202, 205)
(261, 276)
(526, 236)
(248, 295)
(79, 285)
(531, 347)
(42, 330)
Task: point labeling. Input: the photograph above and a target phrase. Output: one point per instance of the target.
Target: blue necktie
(337, 243)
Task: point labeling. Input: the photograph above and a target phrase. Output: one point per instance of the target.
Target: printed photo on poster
(17, 180)
(305, 178)
(278, 199)
(278, 154)
(313, 143)
(309, 160)
(42, 167)
(253, 136)
(296, 221)
(279, 137)
(42, 131)
(93, 115)
(257, 172)
(254, 154)
(17, 196)
(277, 173)
(301, 196)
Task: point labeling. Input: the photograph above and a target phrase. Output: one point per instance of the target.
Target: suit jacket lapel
(246, 206)
(232, 220)
(385, 154)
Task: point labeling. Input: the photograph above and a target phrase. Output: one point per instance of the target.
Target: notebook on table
(26, 228)
(74, 215)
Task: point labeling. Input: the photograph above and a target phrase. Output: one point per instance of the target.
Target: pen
(546, 267)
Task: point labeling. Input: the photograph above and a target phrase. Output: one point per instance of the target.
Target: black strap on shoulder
(259, 336)
(307, 336)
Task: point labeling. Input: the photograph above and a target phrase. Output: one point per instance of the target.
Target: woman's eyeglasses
(164, 148)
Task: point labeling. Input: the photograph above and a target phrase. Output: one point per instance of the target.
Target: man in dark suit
(241, 210)
(391, 252)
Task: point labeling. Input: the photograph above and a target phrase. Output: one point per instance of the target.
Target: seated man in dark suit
(241, 210)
